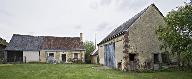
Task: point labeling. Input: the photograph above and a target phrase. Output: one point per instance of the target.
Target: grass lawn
(78, 71)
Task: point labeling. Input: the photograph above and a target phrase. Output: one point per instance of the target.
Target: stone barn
(27, 48)
(134, 44)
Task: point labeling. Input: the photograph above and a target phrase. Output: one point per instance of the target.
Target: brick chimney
(81, 37)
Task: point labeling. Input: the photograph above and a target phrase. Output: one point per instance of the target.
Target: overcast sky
(67, 18)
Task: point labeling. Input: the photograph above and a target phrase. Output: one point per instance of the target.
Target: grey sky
(70, 17)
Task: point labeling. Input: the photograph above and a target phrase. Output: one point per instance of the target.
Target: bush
(69, 60)
(77, 61)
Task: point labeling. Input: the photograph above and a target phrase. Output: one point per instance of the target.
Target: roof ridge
(125, 25)
(34, 43)
(153, 5)
(43, 36)
(60, 37)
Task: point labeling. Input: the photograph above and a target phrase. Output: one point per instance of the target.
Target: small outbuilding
(94, 57)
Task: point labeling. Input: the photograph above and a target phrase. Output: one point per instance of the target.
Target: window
(76, 55)
(165, 58)
(51, 54)
(156, 58)
(132, 57)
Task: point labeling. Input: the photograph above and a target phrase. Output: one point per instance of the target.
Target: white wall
(31, 56)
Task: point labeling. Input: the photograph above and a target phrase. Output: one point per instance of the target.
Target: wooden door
(109, 55)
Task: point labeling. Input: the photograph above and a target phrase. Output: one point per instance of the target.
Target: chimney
(81, 37)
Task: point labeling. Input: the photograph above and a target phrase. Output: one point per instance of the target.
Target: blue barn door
(109, 55)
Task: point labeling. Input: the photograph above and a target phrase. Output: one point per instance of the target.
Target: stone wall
(101, 54)
(43, 56)
(94, 59)
(57, 54)
(118, 50)
(142, 35)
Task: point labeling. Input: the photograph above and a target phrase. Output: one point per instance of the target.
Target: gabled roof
(95, 52)
(124, 27)
(62, 43)
(36, 43)
(24, 42)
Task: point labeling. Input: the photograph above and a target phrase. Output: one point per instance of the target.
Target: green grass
(78, 71)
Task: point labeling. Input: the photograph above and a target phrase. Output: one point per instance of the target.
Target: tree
(89, 46)
(3, 44)
(177, 34)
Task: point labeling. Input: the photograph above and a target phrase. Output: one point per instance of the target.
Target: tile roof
(62, 43)
(36, 43)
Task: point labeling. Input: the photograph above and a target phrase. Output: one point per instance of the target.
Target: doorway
(109, 55)
(15, 56)
(156, 58)
(64, 57)
(132, 61)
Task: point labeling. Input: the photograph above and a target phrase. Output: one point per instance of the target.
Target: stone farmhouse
(26, 48)
(134, 44)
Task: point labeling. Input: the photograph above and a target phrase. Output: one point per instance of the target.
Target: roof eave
(119, 34)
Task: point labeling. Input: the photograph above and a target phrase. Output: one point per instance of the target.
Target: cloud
(105, 2)
(6, 17)
(124, 5)
(120, 5)
(100, 3)
(102, 26)
(3, 12)
(78, 27)
(94, 5)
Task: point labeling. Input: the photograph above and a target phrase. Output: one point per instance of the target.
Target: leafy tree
(3, 44)
(177, 34)
(89, 46)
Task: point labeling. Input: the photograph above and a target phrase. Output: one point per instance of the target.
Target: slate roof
(124, 27)
(62, 43)
(24, 42)
(36, 43)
